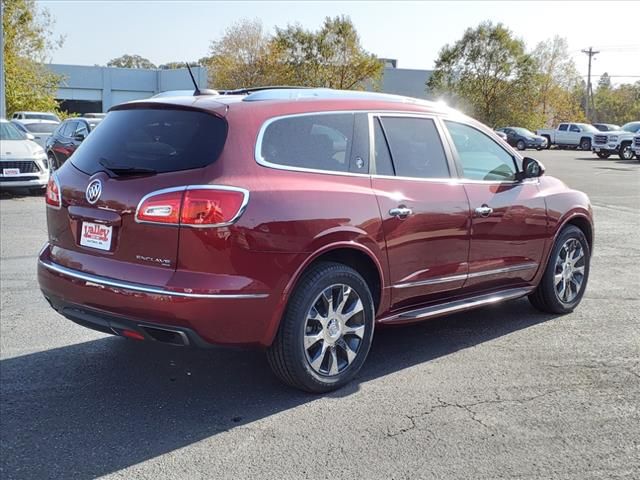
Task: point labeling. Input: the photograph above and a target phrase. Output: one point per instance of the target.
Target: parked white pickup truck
(620, 142)
(578, 135)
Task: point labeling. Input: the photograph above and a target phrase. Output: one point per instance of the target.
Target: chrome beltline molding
(465, 276)
(136, 287)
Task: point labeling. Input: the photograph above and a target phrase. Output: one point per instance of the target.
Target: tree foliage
(130, 61)
(331, 57)
(27, 40)
(487, 73)
(617, 105)
(243, 57)
(247, 55)
(559, 89)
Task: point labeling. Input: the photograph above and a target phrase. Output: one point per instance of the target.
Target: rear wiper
(125, 170)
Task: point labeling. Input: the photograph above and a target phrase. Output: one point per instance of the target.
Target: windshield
(523, 131)
(633, 127)
(41, 127)
(10, 132)
(41, 116)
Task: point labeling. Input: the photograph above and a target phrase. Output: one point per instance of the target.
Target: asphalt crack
(467, 407)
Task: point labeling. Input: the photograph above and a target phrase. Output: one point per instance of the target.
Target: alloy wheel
(334, 330)
(569, 271)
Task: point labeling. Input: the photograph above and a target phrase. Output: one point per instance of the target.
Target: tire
(547, 297)
(310, 366)
(625, 152)
(521, 145)
(548, 142)
(585, 144)
(604, 155)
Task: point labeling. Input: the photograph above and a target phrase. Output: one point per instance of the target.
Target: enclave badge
(94, 190)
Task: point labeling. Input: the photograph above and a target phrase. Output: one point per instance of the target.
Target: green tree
(173, 65)
(130, 61)
(330, 57)
(243, 57)
(27, 41)
(617, 104)
(556, 81)
(488, 74)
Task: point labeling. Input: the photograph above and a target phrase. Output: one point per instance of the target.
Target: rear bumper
(112, 305)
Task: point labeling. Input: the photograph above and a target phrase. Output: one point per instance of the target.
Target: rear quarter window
(163, 140)
(318, 142)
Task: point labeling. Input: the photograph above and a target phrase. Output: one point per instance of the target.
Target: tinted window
(320, 142)
(41, 127)
(563, 127)
(68, 128)
(573, 128)
(160, 140)
(381, 152)
(82, 129)
(481, 157)
(41, 116)
(415, 147)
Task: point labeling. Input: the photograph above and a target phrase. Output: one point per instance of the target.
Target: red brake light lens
(211, 206)
(53, 193)
(161, 208)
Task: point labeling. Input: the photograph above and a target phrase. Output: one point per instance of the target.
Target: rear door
(562, 134)
(575, 133)
(425, 215)
(134, 152)
(509, 221)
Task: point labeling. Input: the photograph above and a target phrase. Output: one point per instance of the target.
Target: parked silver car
(41, 130)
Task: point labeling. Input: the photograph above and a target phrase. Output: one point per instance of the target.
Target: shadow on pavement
(93, 408)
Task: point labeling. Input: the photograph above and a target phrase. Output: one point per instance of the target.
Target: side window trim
(458, 162)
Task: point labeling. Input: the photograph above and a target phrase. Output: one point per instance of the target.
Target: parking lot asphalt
(501, 392)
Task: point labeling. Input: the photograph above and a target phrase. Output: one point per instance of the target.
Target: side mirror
(531, 168)
(30, 136)
(79, 136)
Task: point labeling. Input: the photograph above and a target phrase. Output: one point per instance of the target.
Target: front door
(425, 215)
(509, 221)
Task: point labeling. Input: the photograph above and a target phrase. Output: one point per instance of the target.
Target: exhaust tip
(165, 335)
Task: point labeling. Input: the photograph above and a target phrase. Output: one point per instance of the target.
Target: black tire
(585, 144)
(603, 155)
(548, 146)
(521, 145)
(625, 152)
(546, 298)
(287, 355)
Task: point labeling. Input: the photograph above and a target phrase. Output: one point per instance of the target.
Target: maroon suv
(295, 220)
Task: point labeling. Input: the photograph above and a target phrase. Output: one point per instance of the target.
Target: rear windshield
(152, 139)
(41, 127)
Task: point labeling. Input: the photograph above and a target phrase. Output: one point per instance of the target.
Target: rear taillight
(160, 207)
(53, 192)
(204, 206)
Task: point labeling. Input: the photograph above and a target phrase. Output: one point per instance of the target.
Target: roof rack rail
(248, 90)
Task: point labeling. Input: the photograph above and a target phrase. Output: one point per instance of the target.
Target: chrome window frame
(277, 166)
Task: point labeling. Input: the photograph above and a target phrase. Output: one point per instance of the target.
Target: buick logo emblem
(94, 190)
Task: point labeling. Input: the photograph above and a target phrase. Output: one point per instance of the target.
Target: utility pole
(591, 52)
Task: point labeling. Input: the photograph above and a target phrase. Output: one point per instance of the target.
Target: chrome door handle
(401, 212)
(484, 211)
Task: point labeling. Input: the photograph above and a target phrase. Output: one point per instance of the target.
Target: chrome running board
(458, 305)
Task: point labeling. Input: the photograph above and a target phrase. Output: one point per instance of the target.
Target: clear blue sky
(412, 32)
